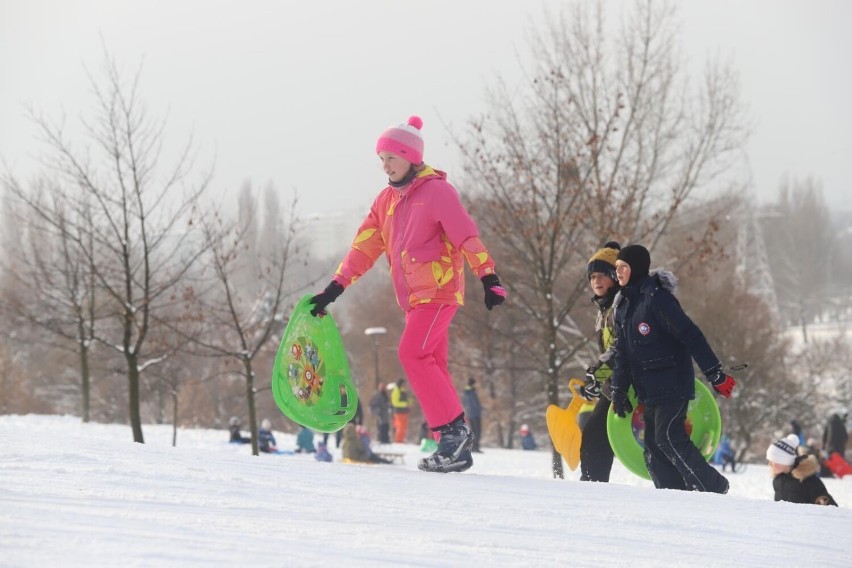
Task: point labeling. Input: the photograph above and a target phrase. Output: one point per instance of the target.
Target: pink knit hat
(404, 140)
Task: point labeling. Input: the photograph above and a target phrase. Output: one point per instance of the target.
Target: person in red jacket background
(426, 234)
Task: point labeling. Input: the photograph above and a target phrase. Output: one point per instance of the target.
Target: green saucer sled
(627, 435)
(311, 382)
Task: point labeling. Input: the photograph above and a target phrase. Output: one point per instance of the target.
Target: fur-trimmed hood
(807, 467)
(665, 278)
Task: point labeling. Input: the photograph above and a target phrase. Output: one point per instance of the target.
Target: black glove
(620, 403)
(324, 298)
(494, 293)
(722, 383)
(591, 390)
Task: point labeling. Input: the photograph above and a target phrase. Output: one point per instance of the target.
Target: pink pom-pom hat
(404, 140)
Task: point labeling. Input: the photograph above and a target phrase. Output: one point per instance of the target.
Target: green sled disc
(311, 382)
(626, 435)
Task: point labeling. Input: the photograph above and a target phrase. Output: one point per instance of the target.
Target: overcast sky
(296, 93)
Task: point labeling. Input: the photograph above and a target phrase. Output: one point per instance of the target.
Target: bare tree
(129, 215)
(238, 324)
(56, 273)
(607, 141)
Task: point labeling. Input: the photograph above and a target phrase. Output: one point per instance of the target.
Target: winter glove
(591, 390)
(620, 403)
(324, 298)
(494, 293)
(722, 383)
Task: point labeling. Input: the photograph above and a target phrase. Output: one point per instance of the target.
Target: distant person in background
(265, 439)
(356, 448)
(322, 453)
(419, 223)
(794, 477)
(473, 412)
(380, 408)
(401, 406)
(352, 447)
(527, 440)
(305, 441)
(358, 419)
(724, 455)
(236, 435)
(835, 436)
(364, 434)
(796, 428)
(812, 448)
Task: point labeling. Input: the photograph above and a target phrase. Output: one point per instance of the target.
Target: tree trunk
(133, 398)
(553, 395)
(251, 405)
(174, 417)
(84, 376)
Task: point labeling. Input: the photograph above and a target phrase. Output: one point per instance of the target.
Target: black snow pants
(595, 452)
(672, 459)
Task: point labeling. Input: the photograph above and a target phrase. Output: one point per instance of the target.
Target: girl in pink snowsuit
(426, 234)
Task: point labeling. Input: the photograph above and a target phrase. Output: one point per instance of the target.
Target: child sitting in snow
(322, 453)
(364, 435)
(305, 441)
(236, 435)
(527, 440)
(265, 439)
(354, 450)
(795, 476)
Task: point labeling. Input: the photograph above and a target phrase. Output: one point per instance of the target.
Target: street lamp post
(376, 332)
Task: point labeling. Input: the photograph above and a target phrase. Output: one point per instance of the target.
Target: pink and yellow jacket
(425, 233)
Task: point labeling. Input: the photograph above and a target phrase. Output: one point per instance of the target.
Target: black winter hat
(639, 260)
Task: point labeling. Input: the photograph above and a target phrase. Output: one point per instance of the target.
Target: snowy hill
(74, 494)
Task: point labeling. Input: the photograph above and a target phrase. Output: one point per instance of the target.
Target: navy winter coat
(657, 342)
(265, 440)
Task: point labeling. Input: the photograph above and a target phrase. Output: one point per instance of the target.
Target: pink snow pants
(423, 354)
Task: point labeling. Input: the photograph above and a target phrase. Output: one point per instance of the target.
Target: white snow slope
(74, 494)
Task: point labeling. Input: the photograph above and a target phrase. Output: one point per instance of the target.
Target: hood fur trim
(666, 279)
(806, 468)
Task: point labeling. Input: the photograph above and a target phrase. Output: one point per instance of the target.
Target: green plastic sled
(626, 435)
(311, 381)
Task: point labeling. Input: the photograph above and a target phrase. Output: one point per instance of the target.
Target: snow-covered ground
(74, 494)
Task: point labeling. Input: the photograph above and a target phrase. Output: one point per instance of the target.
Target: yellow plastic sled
(563, 428)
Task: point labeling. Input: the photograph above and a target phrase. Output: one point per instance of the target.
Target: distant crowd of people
(797, 464)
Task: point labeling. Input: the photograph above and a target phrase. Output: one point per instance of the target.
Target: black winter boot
(453, 453)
